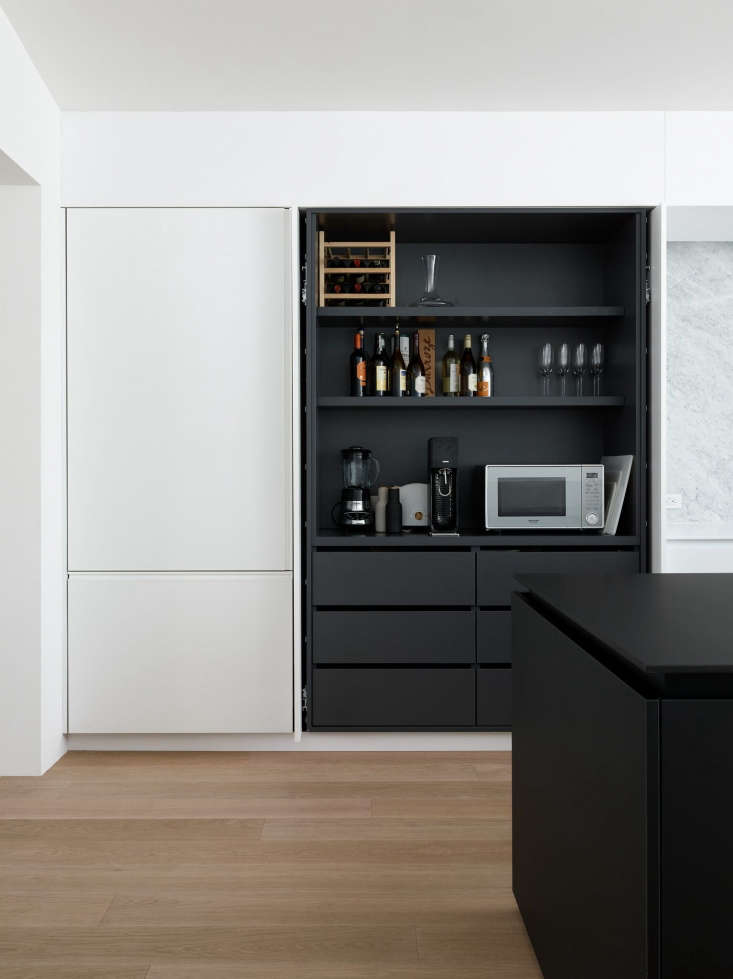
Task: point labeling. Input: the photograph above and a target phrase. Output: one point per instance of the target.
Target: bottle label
(420, 384)
(471, 382)
(403, 380)
(381, 377)
(484, 389)
(450, 381)
(361, 373)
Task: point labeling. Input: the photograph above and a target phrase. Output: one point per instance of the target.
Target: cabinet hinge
(305, 700)
(647, 286)
(304, 286)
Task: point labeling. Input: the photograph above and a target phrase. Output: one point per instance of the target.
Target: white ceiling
(381, 54)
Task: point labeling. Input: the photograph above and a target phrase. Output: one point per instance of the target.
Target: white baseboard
(310, 741)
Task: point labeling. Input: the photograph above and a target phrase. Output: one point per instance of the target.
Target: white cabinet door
(180, 653)
(179, 389)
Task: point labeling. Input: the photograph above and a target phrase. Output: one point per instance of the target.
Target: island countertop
(661, 625)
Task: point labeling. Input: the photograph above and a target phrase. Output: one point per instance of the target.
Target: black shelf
(553, 315)
(480, 404)
(584, 539)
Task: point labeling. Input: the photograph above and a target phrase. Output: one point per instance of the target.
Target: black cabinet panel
(697, 844)
(494, 637)
(393, 637)
(582, 825)
(494, 697)
(409, 697)
(497, 569)
(389, 578)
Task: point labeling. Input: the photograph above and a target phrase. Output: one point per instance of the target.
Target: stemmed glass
(597, 363)
(579, 363)
(563, 366)
(544, 365)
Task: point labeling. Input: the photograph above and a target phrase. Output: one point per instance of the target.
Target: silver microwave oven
(544, 497)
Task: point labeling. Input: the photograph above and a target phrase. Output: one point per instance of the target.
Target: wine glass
(597, 363)
(563, 366)
(579, 362)
(544, 365)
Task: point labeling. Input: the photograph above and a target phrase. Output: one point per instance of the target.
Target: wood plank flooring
(261, 865)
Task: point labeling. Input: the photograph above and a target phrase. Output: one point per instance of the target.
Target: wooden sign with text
(427, 355)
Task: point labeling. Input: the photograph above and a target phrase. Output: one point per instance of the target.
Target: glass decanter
(430, 296)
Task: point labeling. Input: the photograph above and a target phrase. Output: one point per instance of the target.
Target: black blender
(361, 470)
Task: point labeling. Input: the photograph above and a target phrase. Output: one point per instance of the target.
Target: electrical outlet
(673, 501)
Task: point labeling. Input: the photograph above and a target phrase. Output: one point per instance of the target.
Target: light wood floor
(261, 865)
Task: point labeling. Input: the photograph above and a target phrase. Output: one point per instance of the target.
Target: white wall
(699, 158)
(364, 158)
(30, 139)
(20, 487)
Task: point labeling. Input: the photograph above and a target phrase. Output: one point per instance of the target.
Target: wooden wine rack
(383, 250)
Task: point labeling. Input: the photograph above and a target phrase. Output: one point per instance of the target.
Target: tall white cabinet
(179, 470)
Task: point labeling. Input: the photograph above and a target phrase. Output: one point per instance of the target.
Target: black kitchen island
(623, 774)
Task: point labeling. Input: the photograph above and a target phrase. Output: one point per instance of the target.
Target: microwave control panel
(592, 497)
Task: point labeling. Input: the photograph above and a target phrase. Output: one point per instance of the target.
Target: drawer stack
(422, 639)
(399, 652)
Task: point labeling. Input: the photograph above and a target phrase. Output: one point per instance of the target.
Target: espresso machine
(443, 486)
(360, 470)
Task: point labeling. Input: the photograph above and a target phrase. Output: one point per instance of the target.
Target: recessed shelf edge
(478, 404)
(457, 312)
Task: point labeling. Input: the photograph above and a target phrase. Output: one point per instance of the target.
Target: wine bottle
(358, 366)
(450, 369)
(398, 378)
(379, 368)
(416, 370)
(485, 370)
(468, 370)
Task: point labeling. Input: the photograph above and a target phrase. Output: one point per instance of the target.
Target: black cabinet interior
(524, 276)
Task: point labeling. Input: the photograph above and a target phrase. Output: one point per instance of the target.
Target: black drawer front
(393, 698)
(497, 570)
(494, 637)
(393, 637)
(390, 578)
(494, 697)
